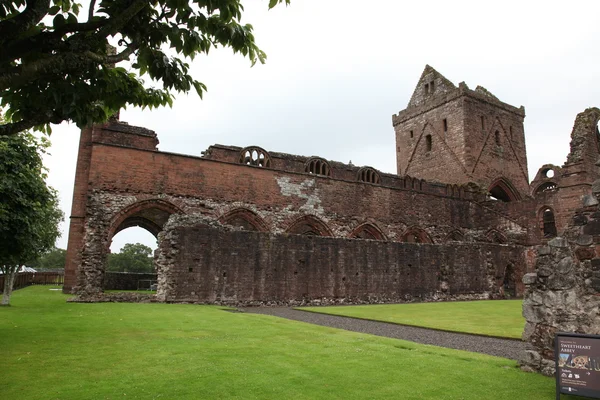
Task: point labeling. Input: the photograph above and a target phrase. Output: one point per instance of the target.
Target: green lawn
(56, 350)
(492, 317)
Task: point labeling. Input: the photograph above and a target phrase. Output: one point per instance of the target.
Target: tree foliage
(56, 62)
(52, 259)
(29, 212)
(132, 258)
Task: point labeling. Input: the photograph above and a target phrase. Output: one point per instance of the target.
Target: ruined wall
(200, 261)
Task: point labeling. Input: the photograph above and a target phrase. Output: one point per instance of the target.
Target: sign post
(577, 365)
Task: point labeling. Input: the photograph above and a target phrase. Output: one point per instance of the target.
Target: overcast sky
(337, 70)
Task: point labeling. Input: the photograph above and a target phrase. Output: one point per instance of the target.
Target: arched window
(416, 235)
(245, 219)
(503, 190)
(547, 222)
(546, 187)
(367, 231)
(494, 236)
(455, 236)
(369, 175)
(509, 282)
(256, 156)
(310, 226)
(317, 166)
(428, 143)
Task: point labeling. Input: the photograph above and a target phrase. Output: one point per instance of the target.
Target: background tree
(29, 212)
(132, 258)
(55, 67)
(52, 259)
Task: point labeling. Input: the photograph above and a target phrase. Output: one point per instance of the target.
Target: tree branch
(35, 11)
(91, 10)
(117, 22)
(12, 128)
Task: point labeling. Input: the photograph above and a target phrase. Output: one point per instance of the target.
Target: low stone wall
(125, 280)
(203, 261)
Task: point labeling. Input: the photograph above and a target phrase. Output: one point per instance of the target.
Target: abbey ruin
(248, 226)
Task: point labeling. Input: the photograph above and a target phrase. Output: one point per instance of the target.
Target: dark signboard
(577, 365)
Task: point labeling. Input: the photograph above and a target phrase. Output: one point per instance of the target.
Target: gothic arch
(367, 231)
(151, 214)
(309, 225)
(546, 187)
(415, 234)
(244, 218)
(455, 236)
(502, 189)
(495, 236)
(256, 156)
(547, 222)
(368, 175)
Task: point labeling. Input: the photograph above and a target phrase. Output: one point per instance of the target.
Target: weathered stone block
(565, 265)
(589, 200)
(584, 240)
(561, 282)
(543, 250)
(530, 278)
(585, 253)
(596, 186)
(544, 271)
(559, 242)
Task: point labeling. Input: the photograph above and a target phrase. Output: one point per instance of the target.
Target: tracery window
(369, 175)
(256, 156)
(317, 166)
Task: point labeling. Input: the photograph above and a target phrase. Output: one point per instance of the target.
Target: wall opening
(130, 262)
(509, 282)
(445, 125)
(412, 134)
(428, 142)
(546, 187)
(255, 156)
(317, 166)
(369, 175)
(503, 190)
(427, 88)
(497, 137)
(548, 223)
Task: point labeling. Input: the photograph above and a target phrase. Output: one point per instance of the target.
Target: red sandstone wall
(214, 265)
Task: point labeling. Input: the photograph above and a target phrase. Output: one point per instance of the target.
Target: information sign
(577, 365)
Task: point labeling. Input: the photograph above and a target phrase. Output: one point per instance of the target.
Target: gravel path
(506, 348)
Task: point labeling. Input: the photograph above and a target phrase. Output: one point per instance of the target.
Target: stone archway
(151, 215)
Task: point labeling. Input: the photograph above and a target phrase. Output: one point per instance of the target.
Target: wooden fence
(35, 278)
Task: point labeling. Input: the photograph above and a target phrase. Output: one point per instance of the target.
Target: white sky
(337, 71)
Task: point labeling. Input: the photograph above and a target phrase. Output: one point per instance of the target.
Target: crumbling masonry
(459, 220)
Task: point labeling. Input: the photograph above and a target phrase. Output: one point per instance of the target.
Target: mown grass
(500, 318)
(57, 350)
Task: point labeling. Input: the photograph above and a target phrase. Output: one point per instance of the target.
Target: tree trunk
(10, 272)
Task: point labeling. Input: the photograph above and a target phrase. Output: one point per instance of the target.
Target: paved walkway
(506, 348)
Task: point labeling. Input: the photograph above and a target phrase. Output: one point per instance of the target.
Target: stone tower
(456, 135)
